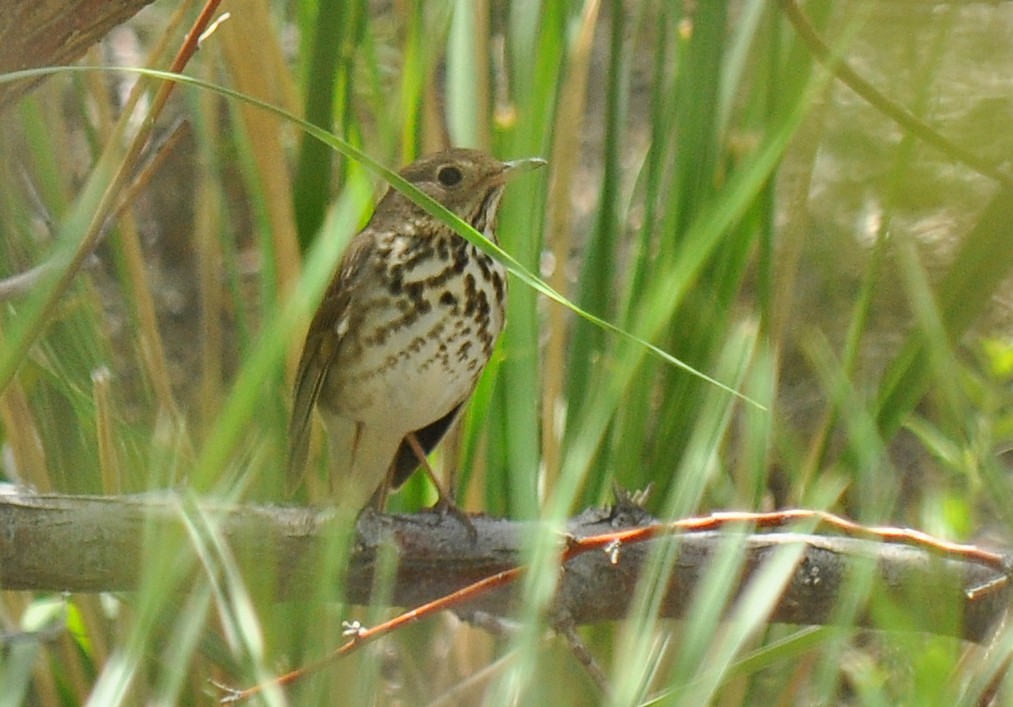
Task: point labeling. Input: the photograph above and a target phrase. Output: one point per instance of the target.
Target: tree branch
(53, 32)
(91, 543)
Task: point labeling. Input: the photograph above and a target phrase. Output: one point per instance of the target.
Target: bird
(403, 332)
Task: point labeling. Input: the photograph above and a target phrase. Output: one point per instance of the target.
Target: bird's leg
(445, 504)
(379, 498)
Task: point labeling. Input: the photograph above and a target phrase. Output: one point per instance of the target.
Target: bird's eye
(449, 175)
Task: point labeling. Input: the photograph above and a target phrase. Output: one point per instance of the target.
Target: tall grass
(692, 148)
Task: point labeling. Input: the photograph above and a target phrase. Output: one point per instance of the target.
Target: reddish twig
(113, 189)
(779, 519)
(611, 543)
(362, 635)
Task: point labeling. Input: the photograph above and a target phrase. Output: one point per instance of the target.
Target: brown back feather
(319, 352)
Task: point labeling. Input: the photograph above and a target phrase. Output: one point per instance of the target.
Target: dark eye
(449, 175)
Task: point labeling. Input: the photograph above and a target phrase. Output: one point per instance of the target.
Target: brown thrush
(404, 330)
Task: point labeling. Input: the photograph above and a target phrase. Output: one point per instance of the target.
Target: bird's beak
(520, 166)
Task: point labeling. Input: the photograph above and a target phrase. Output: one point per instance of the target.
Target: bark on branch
(90, 544)
(53, 32)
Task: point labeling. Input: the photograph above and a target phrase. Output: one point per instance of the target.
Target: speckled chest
(421, 328)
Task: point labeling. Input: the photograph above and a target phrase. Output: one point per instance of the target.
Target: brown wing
(319, 351)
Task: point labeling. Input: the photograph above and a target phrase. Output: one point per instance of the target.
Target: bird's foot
(445, 507)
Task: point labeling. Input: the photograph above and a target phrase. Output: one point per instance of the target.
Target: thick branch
(87, 544)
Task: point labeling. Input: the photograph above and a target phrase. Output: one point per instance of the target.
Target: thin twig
(23, 282)
(361, 635)
(111, 192)
(584, 656)
(612, 543)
